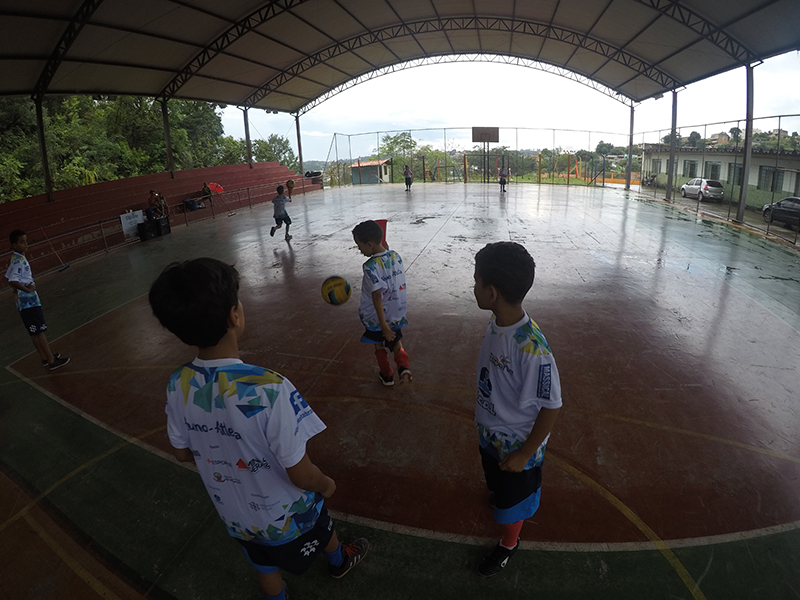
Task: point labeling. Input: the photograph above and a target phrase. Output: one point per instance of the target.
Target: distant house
(720, 137)
(370, 171)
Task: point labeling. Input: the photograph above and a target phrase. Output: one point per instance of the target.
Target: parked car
(703, 189)
(786, 211)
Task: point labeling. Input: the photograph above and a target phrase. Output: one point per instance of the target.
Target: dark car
(704, 189)
(786, 211)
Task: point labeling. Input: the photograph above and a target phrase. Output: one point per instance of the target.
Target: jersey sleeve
(542, 385)
(14, 271)
(291, 424)
(371, 280)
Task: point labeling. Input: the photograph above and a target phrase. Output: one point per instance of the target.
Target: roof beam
(458, 24)
(82, 16)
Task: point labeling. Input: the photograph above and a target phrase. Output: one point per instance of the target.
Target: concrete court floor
(672, 471)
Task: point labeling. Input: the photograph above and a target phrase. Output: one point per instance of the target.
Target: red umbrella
(215, 187)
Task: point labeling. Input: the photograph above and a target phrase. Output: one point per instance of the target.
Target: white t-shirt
(19, 270)
(384, 272)
(280, 205)
(517, 376)
(245, 425)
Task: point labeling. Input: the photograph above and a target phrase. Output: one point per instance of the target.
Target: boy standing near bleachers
(246, 429)
(383, 301)
(519, 395)
(20, 278)
(280, 214)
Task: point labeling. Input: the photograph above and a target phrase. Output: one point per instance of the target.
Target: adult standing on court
(503, 179)
(409, 175)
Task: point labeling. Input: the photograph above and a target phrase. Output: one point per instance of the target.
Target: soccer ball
(335, 290)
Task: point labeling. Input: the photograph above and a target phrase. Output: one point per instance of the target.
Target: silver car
(703, 189)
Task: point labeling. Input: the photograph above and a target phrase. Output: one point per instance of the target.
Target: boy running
(280, 214)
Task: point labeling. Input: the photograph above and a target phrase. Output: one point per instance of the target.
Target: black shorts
(516, 495)
(283, 219)
(295, 556)
(376, 337)
(33, 318)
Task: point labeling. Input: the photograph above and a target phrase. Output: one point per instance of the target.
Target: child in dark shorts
(383, 301)
(246, 429)
(20, 278)
(519, 395)
(280, 214)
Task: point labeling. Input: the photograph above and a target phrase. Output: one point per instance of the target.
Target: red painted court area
(673, 407)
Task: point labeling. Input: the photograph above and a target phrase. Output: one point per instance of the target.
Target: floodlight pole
(630, 154)
(299, 142)
(48, 180)
(247, 142)
(167, 138)
(672, 143)
(748, 148)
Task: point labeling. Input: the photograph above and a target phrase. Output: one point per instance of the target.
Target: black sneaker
(353, 553)
(387, 380)
(58, 362)
(404, 372)
(56, 355)
(271, 232)
(496, 560)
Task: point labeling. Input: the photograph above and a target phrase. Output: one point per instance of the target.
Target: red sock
(401, 358)
(383, 361)
(511, 534)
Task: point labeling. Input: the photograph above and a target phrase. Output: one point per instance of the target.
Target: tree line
(101, 139)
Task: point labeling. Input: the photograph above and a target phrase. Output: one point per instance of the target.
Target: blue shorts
(33, 318)
(516, 495)
(295, 556)
(283, 219)
(376, 337)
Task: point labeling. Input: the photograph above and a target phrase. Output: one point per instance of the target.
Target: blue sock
(281, 596)
(336, 558)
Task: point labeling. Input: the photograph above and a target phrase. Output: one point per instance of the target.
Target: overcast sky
(526, 104)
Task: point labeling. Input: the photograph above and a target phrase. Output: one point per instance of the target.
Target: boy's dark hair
(368, 231)
(280, 189)
(15, 235)
(508, 267)
(193, 299)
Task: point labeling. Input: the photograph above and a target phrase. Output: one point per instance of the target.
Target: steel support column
(299, 143)
(48, 180)
(672, 144)
(167, 138)
(247, 142)
(630, 155)
(748, 148)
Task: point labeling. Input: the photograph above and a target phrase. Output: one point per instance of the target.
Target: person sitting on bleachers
(156, 206)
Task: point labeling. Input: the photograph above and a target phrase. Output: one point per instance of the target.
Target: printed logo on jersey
(219, 462)
(223, 478)
(217, 499)
(220, 428)
(309, 548)
(253, 465)
(543, 389)
(301, 409)
(485, 391)
(502, 363)
(196, 453)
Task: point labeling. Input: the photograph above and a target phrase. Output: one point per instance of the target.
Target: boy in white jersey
(280, 214)
(383, 301)
(20, 278)
(519, 395)
(246, 429)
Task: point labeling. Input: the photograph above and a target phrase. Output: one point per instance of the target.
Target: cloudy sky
(526, 104)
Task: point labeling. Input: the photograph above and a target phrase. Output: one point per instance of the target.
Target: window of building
(769, 176)
(690, 168)
(711, 170)
(655, 165)
(735, 173)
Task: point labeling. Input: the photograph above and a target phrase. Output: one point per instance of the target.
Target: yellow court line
(690, 433)
(651, 535)
(73, 564)
(24, 511)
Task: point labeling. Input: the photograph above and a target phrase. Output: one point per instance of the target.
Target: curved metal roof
(287, 55)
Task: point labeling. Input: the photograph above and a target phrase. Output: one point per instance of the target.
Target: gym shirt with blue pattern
(245, 426)
(19, 270)
(384, 272)
(517, 377)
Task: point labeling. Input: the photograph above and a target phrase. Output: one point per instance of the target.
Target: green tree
(736, 134)
(694, 137)
(275, 148)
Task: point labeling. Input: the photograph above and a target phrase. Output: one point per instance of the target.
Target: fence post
(103, 233)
